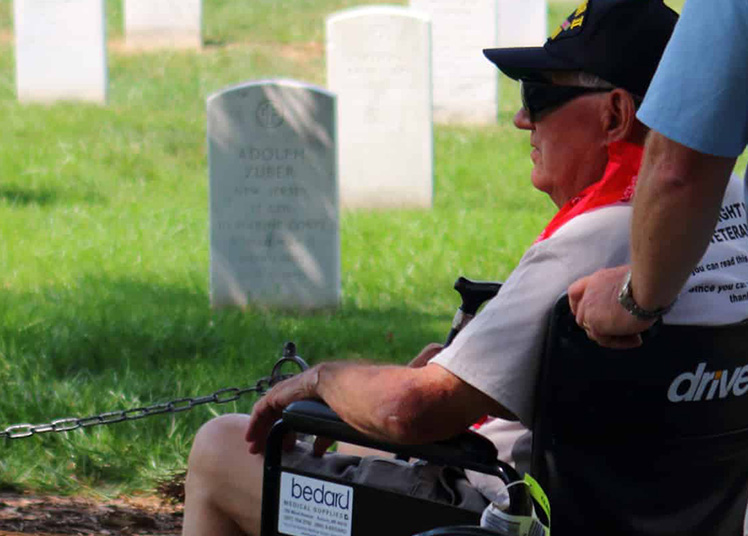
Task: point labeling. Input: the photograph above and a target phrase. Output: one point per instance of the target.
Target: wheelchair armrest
(468, 450)
(315, 417)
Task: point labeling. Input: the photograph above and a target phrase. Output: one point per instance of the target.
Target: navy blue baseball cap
(620, 41)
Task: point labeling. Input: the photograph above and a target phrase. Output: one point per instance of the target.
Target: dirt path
(53, 515)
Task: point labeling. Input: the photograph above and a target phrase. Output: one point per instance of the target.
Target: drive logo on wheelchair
(703, 385)
(313, 507)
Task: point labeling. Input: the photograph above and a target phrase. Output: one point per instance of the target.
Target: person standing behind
(697, 108)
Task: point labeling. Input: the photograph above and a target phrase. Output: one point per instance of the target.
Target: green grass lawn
(104, 249)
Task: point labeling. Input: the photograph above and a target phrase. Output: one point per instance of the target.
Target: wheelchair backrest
(650, 441)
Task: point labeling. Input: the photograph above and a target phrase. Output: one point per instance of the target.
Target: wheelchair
(647, 442)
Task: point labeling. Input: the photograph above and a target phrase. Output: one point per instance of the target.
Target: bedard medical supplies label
(312, 507)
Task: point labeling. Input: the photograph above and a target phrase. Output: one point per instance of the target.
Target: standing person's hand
(594, 302)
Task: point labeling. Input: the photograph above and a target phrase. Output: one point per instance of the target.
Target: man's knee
(224, 481)
(218, 441)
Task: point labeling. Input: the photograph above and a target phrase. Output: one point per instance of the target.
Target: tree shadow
(43, 197)
(104, 327)
(214, 42)
(18, 196)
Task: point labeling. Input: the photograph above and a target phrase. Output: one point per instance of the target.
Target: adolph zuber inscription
(269, 162)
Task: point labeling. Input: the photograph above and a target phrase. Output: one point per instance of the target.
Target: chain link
(222, 396)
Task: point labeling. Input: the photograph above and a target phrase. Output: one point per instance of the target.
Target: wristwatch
(626, 299)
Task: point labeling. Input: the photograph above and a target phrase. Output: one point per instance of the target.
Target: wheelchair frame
(413, 515)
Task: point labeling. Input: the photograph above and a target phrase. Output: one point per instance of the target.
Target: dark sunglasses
(540, 97)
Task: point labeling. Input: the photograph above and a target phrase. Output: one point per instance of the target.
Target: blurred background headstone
(378, 65)
(523, 23)
(163, 23)
(466, 86)
(60, 50)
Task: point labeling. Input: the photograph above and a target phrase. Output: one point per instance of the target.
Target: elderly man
(580, 93)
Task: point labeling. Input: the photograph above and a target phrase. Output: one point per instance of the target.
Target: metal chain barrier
(222, 396)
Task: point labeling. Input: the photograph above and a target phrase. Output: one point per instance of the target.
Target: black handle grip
(475, 293)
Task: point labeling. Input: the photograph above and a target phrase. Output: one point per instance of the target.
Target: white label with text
(312, 507)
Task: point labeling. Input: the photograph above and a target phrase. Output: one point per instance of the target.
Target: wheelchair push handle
(473, 294)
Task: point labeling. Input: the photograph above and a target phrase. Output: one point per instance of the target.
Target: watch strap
(626, 299)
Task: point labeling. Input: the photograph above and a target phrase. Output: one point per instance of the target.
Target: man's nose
(522, 120)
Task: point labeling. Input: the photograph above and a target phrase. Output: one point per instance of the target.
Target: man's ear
(620, 115)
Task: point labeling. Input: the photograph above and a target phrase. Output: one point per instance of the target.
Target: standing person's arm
(675, 210)
(698, 103)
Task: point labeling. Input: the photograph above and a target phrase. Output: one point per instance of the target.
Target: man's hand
(269, 408)
(594, 302)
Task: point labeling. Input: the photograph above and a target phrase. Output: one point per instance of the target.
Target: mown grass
(104, 249)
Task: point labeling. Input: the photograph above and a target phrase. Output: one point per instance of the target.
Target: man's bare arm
(397, 404)
(678, 197)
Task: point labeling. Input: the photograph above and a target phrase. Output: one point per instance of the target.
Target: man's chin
(540, 181)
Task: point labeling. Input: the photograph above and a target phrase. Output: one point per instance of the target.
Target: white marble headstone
(163, 23)
(274, 232)
(465, 83)
(60, 50)
(378, 65)
(523, 23)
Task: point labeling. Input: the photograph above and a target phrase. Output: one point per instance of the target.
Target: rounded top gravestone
(273, 196)
(163, 23)
(378, 63)
(60, 50)
(465, 83)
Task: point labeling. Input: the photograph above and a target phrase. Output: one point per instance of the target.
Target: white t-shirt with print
(499, 352)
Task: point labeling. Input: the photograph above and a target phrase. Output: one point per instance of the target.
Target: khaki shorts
(447, 485)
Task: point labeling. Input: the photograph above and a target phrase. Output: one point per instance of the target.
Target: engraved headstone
(378, 65)
(163, 23)
(274, 233)
(60, 50)
(522, 23)
(466, 86)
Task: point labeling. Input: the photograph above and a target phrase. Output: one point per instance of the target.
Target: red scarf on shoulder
(616, 186)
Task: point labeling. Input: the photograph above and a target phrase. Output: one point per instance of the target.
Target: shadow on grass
(18, 196)
(214, 42)
(102, 327)
(104, 344)
(27, 197)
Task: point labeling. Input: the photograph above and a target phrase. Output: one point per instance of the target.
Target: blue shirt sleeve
(699, 95)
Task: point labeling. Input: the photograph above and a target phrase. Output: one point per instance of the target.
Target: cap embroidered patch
(572, 25)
